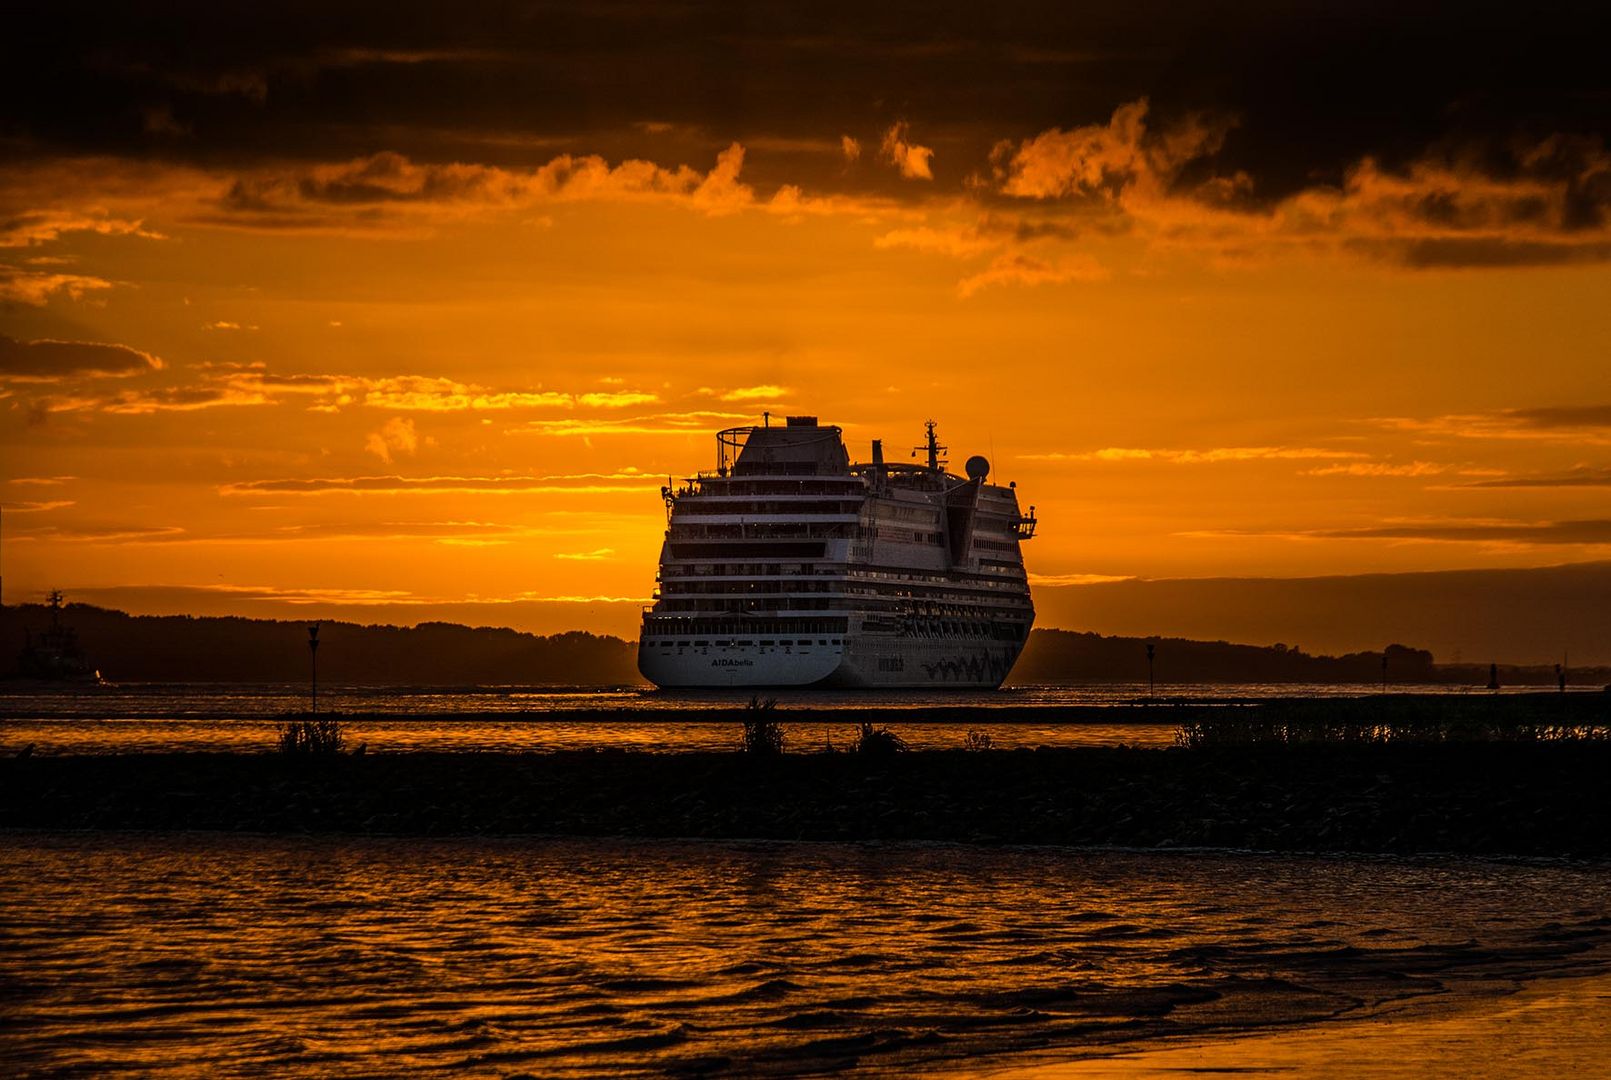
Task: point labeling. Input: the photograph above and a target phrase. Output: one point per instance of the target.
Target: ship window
(822, 641)
(768, 643)
(682, 644)
(725, 643)
(702, 644)
(837, 641)
(744, 643)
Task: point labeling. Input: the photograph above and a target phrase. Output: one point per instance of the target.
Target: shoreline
(1550, 1024)
(1370, 704)
(1459, 798)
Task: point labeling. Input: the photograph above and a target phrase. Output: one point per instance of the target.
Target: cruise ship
(792, 566)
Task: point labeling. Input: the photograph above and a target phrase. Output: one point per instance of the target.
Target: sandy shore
(1550, 1028)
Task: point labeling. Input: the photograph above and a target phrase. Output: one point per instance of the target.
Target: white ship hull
(866, 663)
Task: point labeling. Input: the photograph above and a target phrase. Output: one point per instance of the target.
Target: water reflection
(198, 954)
(536, 734)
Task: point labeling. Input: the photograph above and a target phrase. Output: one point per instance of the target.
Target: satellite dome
(977, 468)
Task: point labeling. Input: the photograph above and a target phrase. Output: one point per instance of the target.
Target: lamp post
(1151, 648)
(313, 664)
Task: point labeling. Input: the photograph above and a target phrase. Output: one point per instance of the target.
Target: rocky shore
(1540, 798)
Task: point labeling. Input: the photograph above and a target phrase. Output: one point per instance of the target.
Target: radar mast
(931, 446)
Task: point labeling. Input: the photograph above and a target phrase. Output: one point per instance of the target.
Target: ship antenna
(931, 445)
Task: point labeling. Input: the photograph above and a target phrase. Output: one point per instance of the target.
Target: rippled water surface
(63, 736)
(195, 954)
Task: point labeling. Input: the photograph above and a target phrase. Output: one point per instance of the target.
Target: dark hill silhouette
(1062, 656)
(182, 648)
(187, 648)
(1066, 656)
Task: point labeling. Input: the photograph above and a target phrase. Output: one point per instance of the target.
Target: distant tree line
(184, 648)
(1065, 656)
(188, 648)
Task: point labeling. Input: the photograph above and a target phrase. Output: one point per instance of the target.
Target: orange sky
(390, 378)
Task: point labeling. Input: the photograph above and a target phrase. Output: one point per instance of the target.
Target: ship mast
(931, 446)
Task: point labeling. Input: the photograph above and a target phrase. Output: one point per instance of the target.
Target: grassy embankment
(1511, 776)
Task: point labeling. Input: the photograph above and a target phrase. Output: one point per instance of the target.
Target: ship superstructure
(790, 565)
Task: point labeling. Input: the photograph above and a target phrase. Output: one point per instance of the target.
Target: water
(506, 735)
(192, 717)
(236, 700)
(191, 954)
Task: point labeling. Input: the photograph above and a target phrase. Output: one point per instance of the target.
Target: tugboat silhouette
(54, 655)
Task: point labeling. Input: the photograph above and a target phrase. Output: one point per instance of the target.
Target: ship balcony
(1024, 527)
(708, 516)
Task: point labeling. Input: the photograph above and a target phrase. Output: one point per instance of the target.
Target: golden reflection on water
(182, 955)
(538, 735)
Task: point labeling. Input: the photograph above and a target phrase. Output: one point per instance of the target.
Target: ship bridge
(799, 447)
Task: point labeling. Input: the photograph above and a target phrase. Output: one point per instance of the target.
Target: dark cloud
(1573, 478)
(1564, 416)
(1427, 135)
(1596, 531)
(53, 360)
(1317, 85)
(1486, 251)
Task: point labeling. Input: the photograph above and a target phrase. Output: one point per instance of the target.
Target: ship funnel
(878, 451)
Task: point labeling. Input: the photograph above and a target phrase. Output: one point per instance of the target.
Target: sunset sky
(338, 307)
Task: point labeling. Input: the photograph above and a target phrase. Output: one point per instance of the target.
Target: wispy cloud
(1381, 468)
(208, 386)
(1571, 424)
(41, 226)
(583, 483)
(1212, 456)
(1548, 203)
(595, 555)
(684, 423)
(388, 187)
(1587, 532)
(911, 159)
(1121, 162)
(1016, 268)
(1498, 534)
(765, 392)
(395, 436)
(1077, 579)
(36, 288)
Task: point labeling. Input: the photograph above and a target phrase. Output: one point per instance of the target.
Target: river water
(201, 717)
(194, 955)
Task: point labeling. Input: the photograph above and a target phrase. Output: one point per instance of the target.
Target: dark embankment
(1527, 798)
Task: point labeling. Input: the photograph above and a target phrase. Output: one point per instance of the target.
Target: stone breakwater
(1490, 798)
